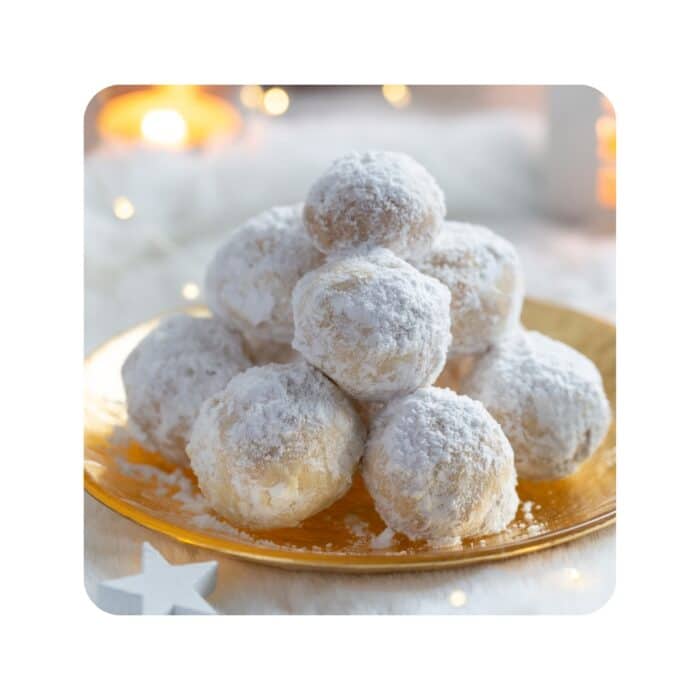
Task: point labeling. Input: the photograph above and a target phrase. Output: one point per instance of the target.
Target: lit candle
(172, 116)
(606, 133)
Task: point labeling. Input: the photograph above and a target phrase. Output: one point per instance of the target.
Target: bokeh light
(572, 573)
(275, 101)
(251, 96)
(398, 96)
(458, 599)
(190, 291)
(123, 208)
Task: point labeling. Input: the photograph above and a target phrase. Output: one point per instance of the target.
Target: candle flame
(164, 127)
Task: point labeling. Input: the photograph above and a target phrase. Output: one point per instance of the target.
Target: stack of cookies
(331, 320)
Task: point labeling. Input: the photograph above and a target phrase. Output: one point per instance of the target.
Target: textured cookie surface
(375, 198)
(549, 400)
(249, 282)
(277, 445)
(373, 323)
(167, 376)
(483, 273)
(440, 468)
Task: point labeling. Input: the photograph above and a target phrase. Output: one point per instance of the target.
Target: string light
(398, 96)
(572, 574)
(122, 208)
(165, 127)
(458, 599)
(190, 291)
(252, 96)
(275, 101)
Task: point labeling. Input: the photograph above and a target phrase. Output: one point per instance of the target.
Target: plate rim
(343, 562)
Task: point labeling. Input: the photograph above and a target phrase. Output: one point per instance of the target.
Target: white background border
(57, 55)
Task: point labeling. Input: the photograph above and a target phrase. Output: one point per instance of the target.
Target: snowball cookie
(377, 198)
(170, 372)
(373, 324)
(249, 282)
(439, 468)
(483, 272)
(549, 400)
(277, 445)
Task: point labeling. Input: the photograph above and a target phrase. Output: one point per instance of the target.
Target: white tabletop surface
(136, 269)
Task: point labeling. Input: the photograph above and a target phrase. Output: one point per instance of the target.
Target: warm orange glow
(398, 96)
(607, 142)
(168, 115)
(607, 186)
(252, 96)
(607, 106)
(606, 135)
(275, 101)
(165, 127)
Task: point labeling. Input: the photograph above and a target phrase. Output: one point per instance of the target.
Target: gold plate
(347, 536)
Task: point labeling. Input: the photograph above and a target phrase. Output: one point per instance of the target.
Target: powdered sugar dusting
(373, 323)
(381, 198)
(439, 467)
(383, 540)
(279, 444)
(249, 282)
(483, 273)
(180, 487)
(166, 377)
(549, 400)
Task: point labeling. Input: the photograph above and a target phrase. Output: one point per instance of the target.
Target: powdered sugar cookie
(249, 282)
(483, 273)
(549, 400)
(277, 445)
(373, 324)
(439, 468)
(377, 198)
(170, 372)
